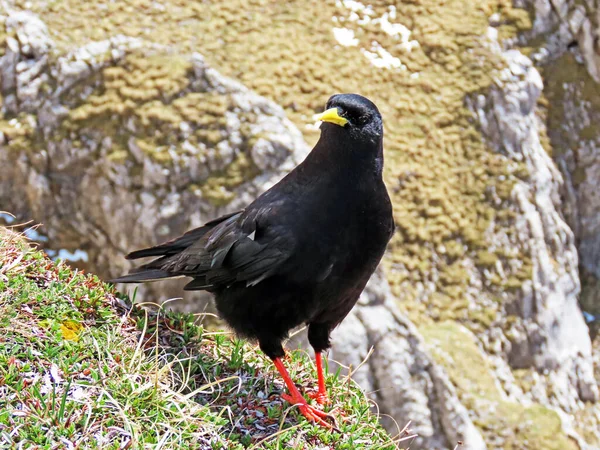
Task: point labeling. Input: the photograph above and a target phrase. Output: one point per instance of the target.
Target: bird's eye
(362, 120)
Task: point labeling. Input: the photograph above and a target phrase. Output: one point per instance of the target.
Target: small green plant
(83, 366)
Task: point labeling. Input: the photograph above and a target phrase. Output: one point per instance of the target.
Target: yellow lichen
(218, 188)
(437, 165)
(515, 425)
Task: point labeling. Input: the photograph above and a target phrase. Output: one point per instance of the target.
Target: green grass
(81, 365)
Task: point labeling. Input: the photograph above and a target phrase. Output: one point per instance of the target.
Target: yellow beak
(332, 116)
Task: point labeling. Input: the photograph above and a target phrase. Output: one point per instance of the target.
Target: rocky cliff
(569, 58)
(119, 134)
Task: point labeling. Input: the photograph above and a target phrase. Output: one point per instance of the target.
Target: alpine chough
(302, 252)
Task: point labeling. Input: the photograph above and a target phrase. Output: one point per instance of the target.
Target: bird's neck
(345, 157)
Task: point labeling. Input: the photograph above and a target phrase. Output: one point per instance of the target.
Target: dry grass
(83, 367)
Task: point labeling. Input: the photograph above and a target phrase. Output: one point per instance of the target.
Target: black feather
(197, 284)
(303, 251)
(142, 276)
(181, 243)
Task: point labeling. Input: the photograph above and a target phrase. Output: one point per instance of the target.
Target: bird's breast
(341, 230)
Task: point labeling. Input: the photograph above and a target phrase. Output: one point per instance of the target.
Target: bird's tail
(142, 276)
(153, 270)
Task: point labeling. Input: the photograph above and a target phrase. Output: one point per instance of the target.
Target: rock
(126, 138)
(547, 330)
(390, 361)
(565, 22)
(24, 62)
(553, 326)
(570, 56)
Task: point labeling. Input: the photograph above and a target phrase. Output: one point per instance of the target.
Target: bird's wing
(157, 269)
(244, 248)
(179, 244)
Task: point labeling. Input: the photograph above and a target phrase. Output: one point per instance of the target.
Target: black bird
(302, 252)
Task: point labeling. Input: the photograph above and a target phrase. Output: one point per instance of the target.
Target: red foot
(320, 398)
(311, 413)
(321, 395)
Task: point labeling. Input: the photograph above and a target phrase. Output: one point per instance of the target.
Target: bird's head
(352, 116)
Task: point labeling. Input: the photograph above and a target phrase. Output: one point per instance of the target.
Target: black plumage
(303, 251)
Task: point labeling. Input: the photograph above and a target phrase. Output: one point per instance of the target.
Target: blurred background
(125, 123)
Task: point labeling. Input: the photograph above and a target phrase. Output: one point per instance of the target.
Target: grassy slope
(79, 365)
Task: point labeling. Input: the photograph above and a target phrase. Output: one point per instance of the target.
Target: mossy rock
(437, 165)
(506, 424)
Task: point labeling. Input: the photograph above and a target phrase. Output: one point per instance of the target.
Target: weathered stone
(570, 57)
(546, 330)
(390, 361)
(84, 187)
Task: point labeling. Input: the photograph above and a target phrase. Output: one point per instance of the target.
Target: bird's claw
(320, 397)
(311, 413)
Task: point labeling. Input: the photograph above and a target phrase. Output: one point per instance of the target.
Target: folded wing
(234, 248)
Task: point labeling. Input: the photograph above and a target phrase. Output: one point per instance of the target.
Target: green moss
(589, 132)
(512, 425)
(483, 318)
(118, 156)
(513, 283)
(524, 378)
(568, 72)
(525, 272)
(151, 93)
(537, 427)
(437, 165)
(218, 188)
(486, 259)
(454, 347)
(141, 87)
(513, 20)
(454, 249)
(578, 176)
(18, 133)
(202, 109)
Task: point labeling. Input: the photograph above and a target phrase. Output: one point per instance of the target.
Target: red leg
(295, 398)
(321, 396)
